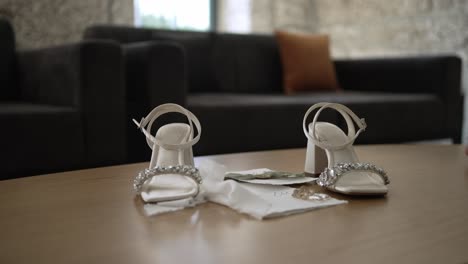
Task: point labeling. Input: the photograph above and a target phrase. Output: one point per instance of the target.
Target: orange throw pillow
(307, 65)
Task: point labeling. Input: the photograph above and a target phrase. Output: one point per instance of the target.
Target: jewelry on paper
(267, 175)
(184, 170)
(307, 193)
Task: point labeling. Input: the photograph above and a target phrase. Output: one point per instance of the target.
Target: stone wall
(369, 27)
(263, 16)
(234, 16)
(40, 23)
(362, 28)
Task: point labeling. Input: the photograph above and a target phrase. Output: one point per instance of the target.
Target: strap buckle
(364, 124)
(139, 126)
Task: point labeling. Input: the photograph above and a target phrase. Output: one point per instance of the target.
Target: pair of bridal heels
(173, 176)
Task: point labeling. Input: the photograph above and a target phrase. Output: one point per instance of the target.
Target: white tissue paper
(257, 200)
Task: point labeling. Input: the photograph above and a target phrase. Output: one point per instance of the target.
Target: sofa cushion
(224, 63)
(198, 48)
(307, 65)
(40, 139)
(400, 74)
(121, 34)
(396, 117)
(246, 122)
(249, 63)
(8, 89)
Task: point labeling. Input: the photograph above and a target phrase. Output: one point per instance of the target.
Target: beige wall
(40, 23)
(369, 27)
(357, 27)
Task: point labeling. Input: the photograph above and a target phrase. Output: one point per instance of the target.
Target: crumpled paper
(257, 200)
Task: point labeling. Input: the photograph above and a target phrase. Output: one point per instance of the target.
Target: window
(175, 14)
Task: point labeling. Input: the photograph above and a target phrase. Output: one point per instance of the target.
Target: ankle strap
(347, 114)
(164, 109)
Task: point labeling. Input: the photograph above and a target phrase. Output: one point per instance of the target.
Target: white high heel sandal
(344, 174)
(171, 159)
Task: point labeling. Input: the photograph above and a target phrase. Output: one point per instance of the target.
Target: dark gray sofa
(61, 108)
(233, 83)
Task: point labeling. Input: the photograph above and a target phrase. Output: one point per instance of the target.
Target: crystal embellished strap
(331, 175)
(184, 170)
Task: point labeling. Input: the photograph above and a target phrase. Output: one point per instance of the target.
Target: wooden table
(92, 216)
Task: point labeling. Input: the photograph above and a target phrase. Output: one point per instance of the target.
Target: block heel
(316, 160)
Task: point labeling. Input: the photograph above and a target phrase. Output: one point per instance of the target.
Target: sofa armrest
(88, 76)
(156, 73)
(453, 97)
